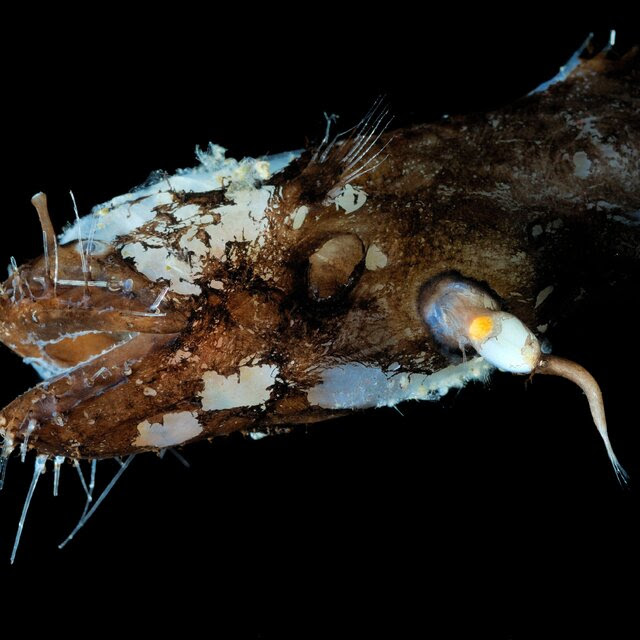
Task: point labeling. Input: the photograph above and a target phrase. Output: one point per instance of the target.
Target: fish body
(285, 290)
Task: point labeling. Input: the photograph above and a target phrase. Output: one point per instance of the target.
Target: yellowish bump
(480, 327)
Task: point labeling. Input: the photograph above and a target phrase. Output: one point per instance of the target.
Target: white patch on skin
(179, 356)
(613, 158)
(184, 213)
(216, 284)
(358, 386)
(602, 205)
(157, 262)
(633, 219)
(128, 212)
(247, 389)
(197, 248)
(148, 391)
(175, 251)
(299, 216)
(245, 220)
(217, 242)
(543, 295)
(375, 258)
(350, 198)
(118, 217)
(262, 169)
(581, 164)
(176, 429)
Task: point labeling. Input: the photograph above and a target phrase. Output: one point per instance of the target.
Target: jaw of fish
(83, 317)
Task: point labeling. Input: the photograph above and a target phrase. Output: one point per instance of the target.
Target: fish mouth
(83, 317)
(78, 364)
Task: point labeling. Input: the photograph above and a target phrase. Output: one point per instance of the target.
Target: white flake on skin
(118, 217)
(187, 211)
(350, 199)
(262, 169)
(582, 165)
(128, 212)
(375, 258)
(176, 429)
(247, 389)
(156, 263)
(195, 246)
(299, 216)
(543, 295)
(358, 386)
(244, 220)
(177, 252)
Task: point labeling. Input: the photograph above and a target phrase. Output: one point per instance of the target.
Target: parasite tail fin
(556, 366)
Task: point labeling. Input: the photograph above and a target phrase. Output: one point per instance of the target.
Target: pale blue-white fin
(7, 450)
(92, 486)
(39, 467)
(76, 464)
(88, 489)
(181, 458)
(567, 68)
(98, 502)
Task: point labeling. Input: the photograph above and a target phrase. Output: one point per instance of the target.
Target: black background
(493, 510)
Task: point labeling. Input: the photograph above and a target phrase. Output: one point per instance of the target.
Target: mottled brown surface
(496, 197)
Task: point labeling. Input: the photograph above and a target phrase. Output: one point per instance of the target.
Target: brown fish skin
(540, 193)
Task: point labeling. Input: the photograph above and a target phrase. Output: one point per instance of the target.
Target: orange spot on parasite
(480, 327)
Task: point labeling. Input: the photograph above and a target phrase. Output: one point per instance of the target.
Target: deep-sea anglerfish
(380, 266)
